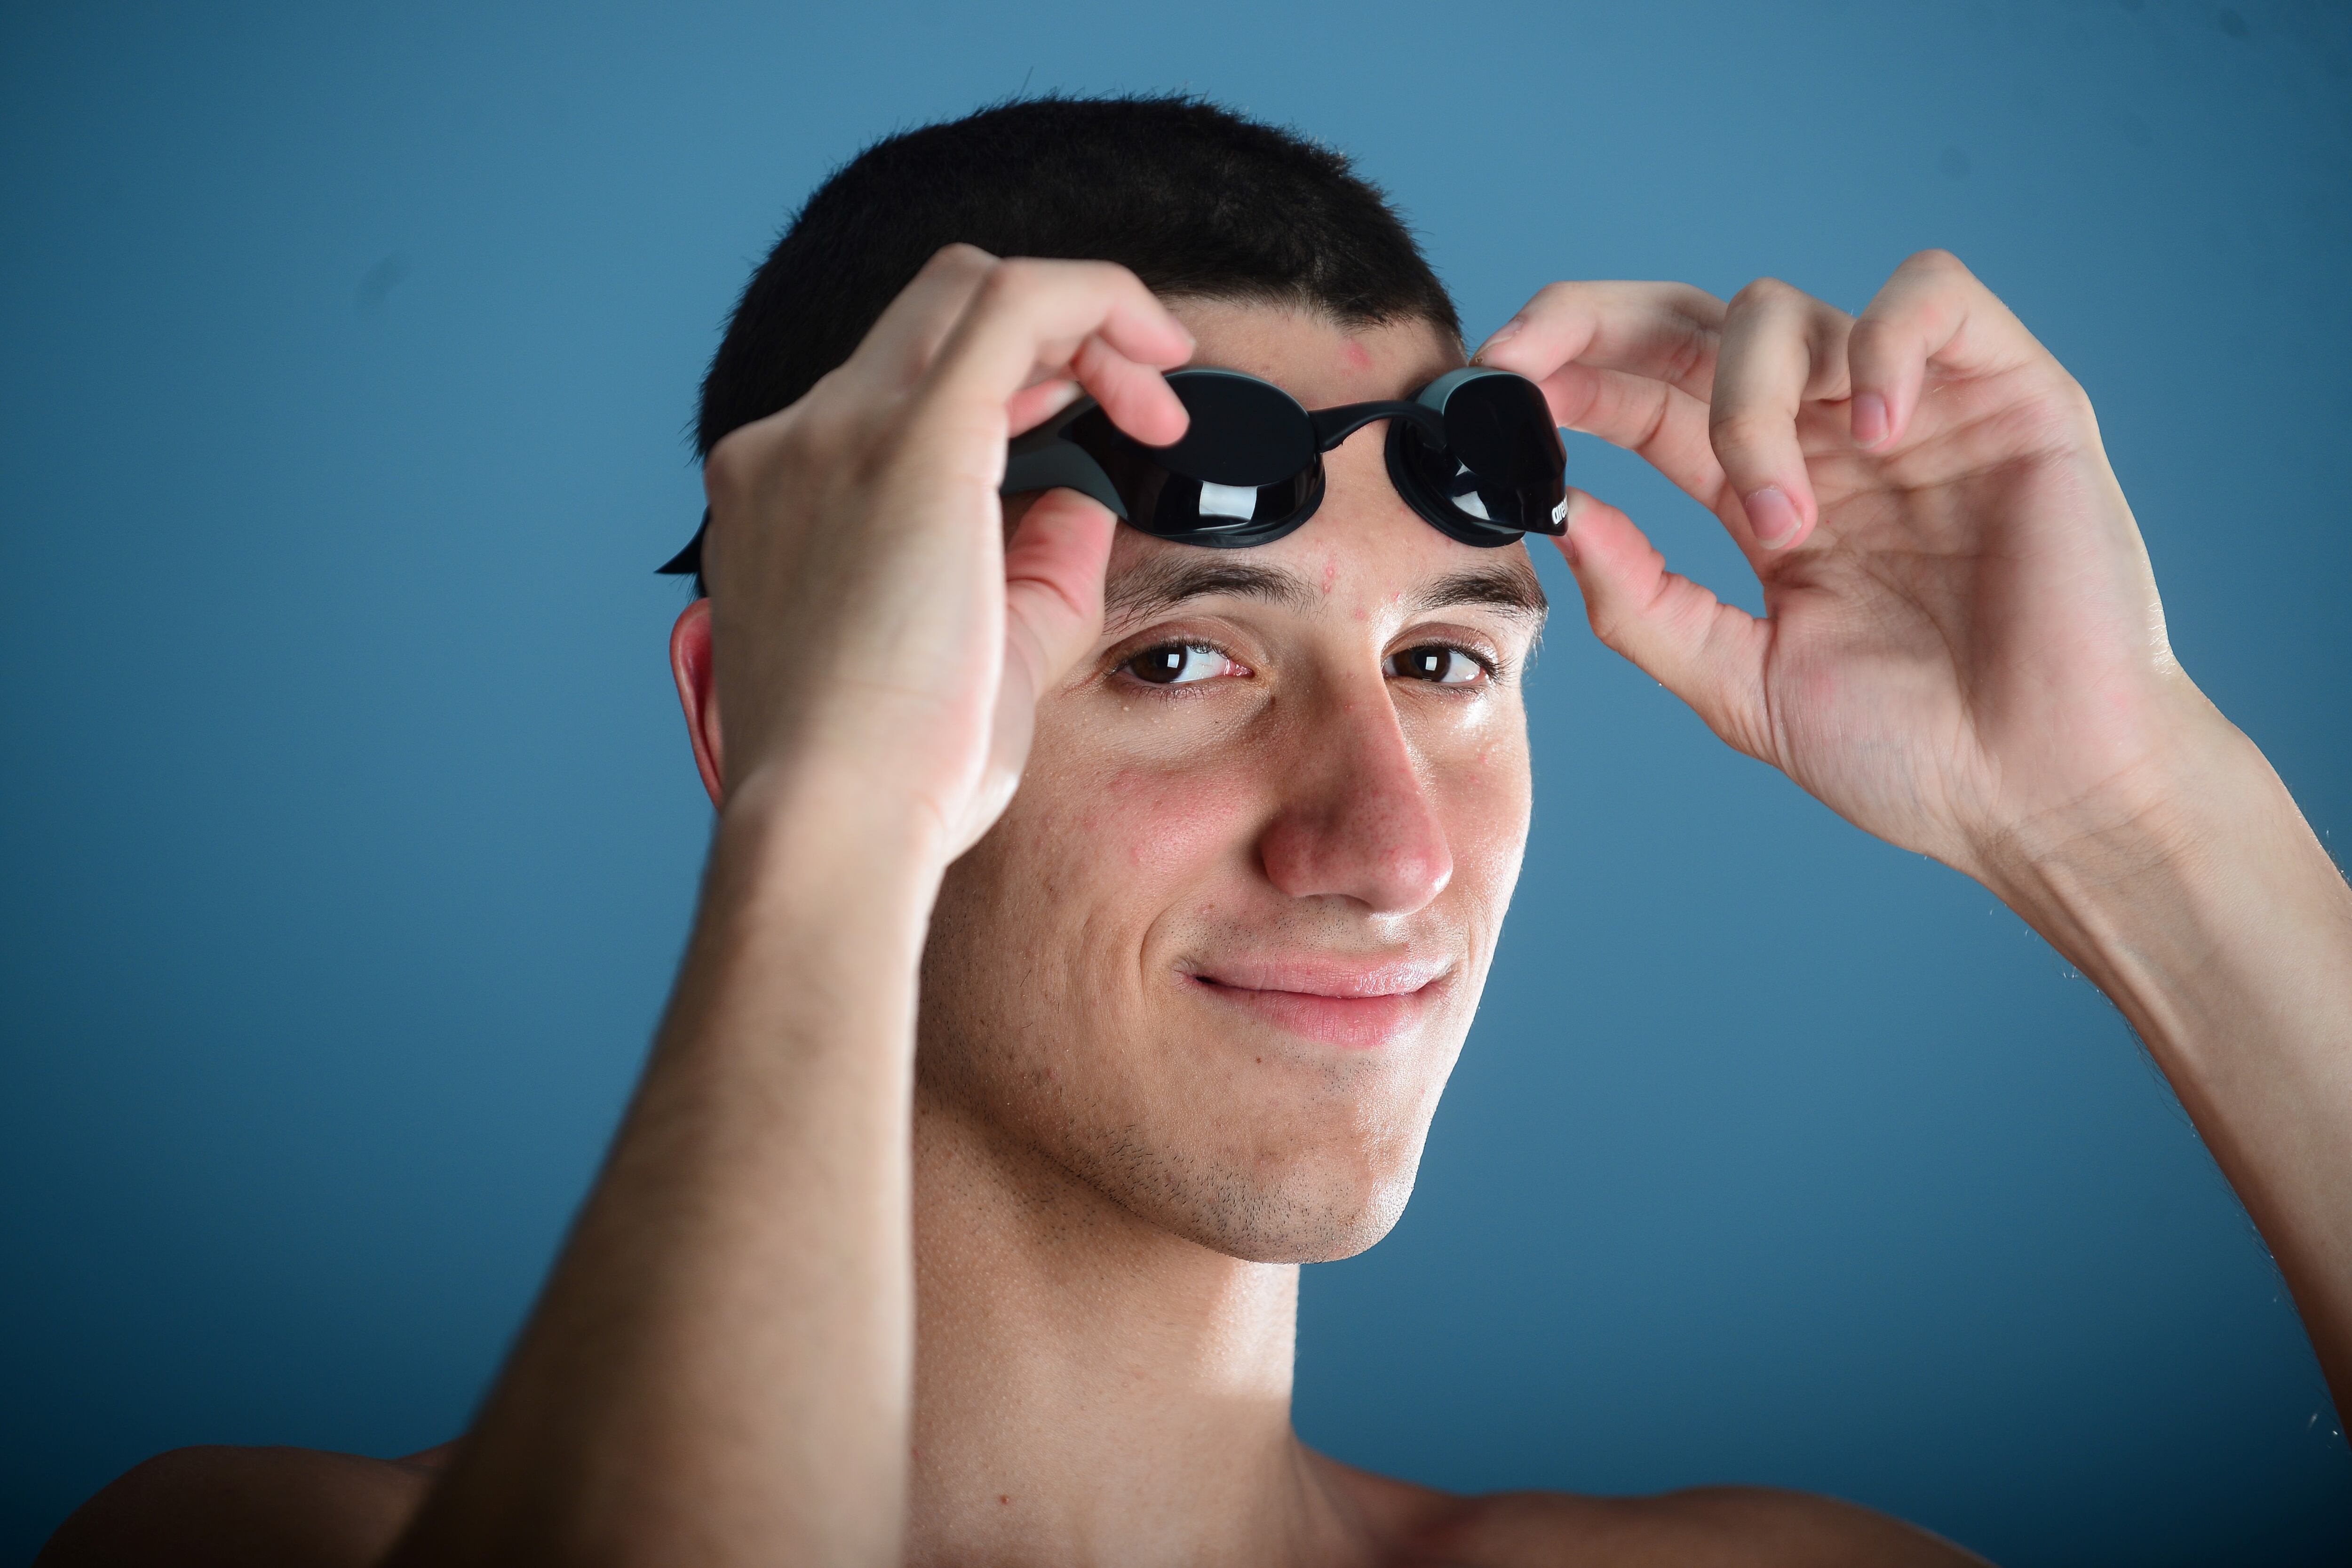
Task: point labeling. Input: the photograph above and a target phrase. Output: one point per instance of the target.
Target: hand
(870, 621)
(1963, 651)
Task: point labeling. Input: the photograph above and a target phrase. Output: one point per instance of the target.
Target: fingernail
(1502, 333)
(1771, 517)
(1870, 421)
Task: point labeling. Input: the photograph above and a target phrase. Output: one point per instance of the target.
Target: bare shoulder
(1751, 1527)
(1704, 1527)
(254, 1508)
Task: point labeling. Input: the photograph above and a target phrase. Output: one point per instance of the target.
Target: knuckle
(803, 435)
(1699, 317)
(1114, 273)
(1010, 284)
(1740, 429)
(1869, 333)
(2060, 412)
(1691, 350)
(1694, 301)
(1744, 443)
(1935, 259)
(958, 257)
(1764, 294)
(1554, 298)
(1608, 624)
(726, 470)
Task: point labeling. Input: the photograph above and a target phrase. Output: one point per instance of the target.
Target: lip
(1361, 1004)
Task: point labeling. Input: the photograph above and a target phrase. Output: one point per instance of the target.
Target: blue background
(350, 829)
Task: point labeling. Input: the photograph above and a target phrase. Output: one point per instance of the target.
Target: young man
(958, 1213)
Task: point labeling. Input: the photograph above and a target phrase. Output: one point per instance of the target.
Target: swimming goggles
(1476, 453)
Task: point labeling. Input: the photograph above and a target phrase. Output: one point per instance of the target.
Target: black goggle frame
(1474, 453)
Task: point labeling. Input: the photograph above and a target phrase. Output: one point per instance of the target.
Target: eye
(1437, 664)
(1178, 664)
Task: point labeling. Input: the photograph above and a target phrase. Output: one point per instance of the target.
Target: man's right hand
(871, 622)
(721, 1366)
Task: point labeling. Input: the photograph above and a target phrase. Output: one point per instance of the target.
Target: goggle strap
(689, 560)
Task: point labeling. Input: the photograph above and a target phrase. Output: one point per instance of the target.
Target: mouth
(1361, 1005)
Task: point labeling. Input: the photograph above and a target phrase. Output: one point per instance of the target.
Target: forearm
(2217, 922)
(719, 1368)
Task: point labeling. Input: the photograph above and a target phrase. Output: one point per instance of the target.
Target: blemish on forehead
(1354, 355)
(1330, 571)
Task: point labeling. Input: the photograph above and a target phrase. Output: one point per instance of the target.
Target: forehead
(1318, 361)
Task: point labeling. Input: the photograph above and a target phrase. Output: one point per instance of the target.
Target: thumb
(1053, 613)
(1708, 653)
(1053, 588)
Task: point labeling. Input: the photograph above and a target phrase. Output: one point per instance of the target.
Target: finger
(1093, 322)
(1669, 332)
(1054, 585)
(905, 339)
(1130, 390)
(1934, 311)
(1664, 426)
(1033, 405)
(1781, 347)
(1708, 653)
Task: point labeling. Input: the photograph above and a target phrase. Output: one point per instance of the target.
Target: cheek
(1048, 933)
(1486, 794)
(1140, 832)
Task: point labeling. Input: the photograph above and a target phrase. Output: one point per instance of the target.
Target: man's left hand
(1963, 651)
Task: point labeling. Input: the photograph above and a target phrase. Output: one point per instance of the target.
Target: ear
(698, 694)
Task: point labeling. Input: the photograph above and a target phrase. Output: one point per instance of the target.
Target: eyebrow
(1156, 586)
(1510, 588)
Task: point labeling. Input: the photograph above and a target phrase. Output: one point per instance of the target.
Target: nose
(1358, 820)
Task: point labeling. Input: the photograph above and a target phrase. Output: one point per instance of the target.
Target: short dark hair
(1197, 201)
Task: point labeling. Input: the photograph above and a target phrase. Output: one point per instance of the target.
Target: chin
(1311, 1212)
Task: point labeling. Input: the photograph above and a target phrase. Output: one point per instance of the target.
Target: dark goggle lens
(1502, 465)
(1174, 507)
(1246, 467)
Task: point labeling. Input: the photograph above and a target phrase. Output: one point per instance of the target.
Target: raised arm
(1964, 653)
(719, 1368)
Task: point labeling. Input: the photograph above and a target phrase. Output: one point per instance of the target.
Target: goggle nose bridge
(1333, 425)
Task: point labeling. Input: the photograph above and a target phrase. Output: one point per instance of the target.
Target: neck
(1090, 1388)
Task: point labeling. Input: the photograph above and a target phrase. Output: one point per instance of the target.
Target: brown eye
(1437, 664)
(1177, 663)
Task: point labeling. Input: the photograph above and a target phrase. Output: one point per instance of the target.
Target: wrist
(2198, 780)
(2179, 891)
(823, 845)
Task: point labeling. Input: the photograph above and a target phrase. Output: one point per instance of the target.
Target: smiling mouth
(1359, 1006)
